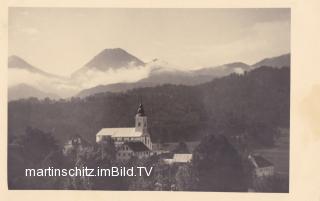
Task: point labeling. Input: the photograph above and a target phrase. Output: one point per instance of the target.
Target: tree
(163, 176)
(218, 166)
(36, 144)
(57, 160)
(181, 148)
(275, 183)
(263, 133)
(143, 182)
(185, 178)
(28, 151)
(103, 156)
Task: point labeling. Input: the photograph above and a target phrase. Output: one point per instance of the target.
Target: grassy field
(278, 155)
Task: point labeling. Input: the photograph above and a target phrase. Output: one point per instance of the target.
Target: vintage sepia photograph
(149, 99)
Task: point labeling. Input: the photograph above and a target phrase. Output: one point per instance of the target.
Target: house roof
(168, 161)
(260, 161)
(137, 146)
(119, 132)
(177, 158)
(182, 158)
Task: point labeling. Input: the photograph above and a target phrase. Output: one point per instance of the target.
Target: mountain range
(161, 73)
(24, 91)
(116, 70)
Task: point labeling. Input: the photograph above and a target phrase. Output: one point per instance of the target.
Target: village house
(132, 149)
(178, 158)
(76, 144)
(262, 167)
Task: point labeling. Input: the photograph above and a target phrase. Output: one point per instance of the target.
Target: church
(122, 136)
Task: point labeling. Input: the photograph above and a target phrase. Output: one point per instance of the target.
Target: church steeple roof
(141, 110)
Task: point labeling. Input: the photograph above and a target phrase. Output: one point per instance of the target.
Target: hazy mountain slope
(118, 87)
(16, 62)
(151, 81)
(162, 72)
(223, 70)
(279, 61)
(25, 91)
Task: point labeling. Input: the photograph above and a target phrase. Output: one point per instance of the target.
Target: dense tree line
(254, 104)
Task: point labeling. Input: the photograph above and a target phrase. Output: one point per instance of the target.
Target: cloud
(66, 87)
(57, 86)
(92, 78)
(239, 71)
(265, 39)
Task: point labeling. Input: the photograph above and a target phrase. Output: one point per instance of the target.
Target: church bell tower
(141, 120)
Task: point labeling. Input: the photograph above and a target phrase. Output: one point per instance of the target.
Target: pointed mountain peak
(113, 59)
(114, 50)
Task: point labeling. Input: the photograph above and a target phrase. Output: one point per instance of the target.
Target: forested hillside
(255, 103)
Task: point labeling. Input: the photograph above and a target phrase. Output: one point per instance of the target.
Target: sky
(62, 40)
